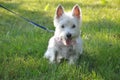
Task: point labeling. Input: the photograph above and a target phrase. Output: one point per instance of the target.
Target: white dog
(66, 42)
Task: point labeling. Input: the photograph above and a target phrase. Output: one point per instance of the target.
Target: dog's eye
(62, 26)
(73, 26)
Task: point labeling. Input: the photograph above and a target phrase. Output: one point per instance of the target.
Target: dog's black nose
(68, 35)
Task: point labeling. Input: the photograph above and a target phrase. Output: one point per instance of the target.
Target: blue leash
(33, 23)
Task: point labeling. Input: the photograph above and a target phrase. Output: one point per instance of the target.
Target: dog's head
(67, 24)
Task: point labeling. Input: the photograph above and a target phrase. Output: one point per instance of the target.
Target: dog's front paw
(73, 60)
(59, 59)
(50, 57)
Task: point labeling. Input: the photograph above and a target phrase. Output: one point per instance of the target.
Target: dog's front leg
(51, 55)
(73, 59)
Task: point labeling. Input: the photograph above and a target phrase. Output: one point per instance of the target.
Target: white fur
(58, 47)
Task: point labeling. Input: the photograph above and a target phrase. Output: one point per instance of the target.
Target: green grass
(22, 45)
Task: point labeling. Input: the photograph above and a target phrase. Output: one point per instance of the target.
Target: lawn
(22, 45)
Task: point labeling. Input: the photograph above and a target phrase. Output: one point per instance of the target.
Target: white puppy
(66, 42)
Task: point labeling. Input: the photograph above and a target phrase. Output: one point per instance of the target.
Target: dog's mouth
(68, 42)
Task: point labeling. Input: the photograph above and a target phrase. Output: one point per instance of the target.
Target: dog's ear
(59, 11)
(76, 11)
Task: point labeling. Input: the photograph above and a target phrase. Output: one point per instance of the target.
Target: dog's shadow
(88, 61)
(84, 60)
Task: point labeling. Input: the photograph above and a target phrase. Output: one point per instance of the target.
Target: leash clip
(51, 31)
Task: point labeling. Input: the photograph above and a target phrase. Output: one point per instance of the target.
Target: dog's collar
(60, 42)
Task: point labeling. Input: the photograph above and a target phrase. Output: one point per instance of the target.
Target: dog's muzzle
(69, 35)
(65, 42)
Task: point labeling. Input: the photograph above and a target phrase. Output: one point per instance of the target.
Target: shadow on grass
(17, 33)
(101, 54)
(39, 17)
(105, 63)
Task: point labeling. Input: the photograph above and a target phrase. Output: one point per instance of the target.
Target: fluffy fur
(66, 42)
